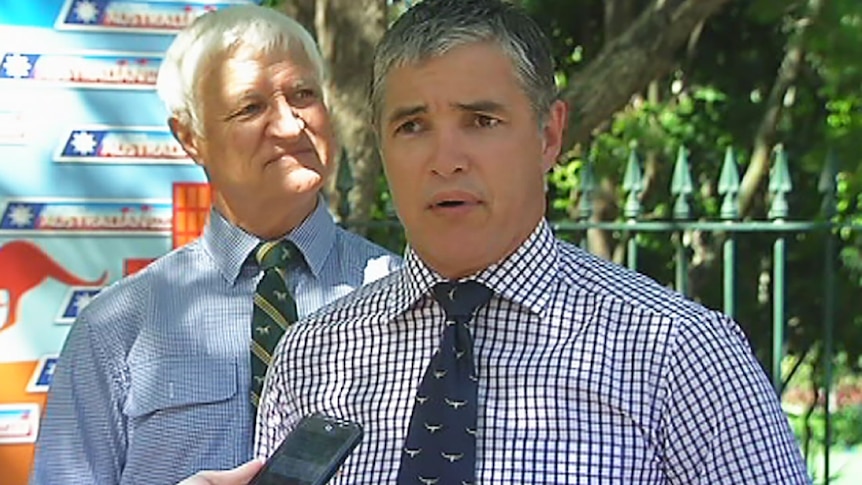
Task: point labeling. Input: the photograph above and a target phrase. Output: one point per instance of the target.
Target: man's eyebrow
(253, 91)
(485, 106)
(405, 112)
(243, 94)
(304, 82)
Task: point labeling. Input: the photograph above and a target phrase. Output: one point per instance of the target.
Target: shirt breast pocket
(178, 384)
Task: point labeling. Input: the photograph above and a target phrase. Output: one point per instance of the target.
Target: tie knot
(275, 254)
(461, 299)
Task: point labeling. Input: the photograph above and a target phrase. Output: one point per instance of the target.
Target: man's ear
(552, 133)
(187, 139)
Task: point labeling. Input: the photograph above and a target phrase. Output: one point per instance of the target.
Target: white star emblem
(86, 11)
(83, 142)
(21, 215)
(17, 65)
(82, 300)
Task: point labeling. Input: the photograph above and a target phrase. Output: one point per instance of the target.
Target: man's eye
(408, 128)
(247, 111)
(306, 93)
(482, 121)
(303, 97)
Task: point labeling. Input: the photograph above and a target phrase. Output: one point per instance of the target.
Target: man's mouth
(449, 203)
(301, 152)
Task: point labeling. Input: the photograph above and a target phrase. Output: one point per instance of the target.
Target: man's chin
(303, 183)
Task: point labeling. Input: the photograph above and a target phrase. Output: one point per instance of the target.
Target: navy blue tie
(441, 440)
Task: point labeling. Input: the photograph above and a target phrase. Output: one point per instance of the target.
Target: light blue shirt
(153, 382)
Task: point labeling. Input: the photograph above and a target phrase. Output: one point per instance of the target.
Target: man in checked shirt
(587, 372)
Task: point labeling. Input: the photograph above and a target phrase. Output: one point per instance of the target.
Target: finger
(237, 476)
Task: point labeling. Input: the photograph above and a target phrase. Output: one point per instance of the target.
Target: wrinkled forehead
(245, 64)
(432, 51)
(246, 54)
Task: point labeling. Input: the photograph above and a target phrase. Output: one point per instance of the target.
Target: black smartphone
(312, 453)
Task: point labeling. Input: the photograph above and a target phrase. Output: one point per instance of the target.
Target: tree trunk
(347, 31)
(645, 51)
(758, 166)
(300, 10)
(618, 16)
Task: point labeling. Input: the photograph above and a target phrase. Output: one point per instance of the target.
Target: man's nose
(448, 155)
(285, 122)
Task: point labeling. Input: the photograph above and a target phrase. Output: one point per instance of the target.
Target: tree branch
(758, 166)
(629, 62)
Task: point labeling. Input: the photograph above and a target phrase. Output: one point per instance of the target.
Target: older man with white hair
(160, 375)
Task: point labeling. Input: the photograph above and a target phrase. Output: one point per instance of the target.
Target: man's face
(465, 157)
(267, 141)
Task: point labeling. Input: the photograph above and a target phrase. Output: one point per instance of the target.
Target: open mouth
(454, 200)
(450, 203)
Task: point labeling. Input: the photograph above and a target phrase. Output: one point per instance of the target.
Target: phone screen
(311, 453)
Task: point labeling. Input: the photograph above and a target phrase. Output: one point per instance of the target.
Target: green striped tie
(274, 308)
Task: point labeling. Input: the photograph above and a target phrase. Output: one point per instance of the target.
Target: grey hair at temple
(433, 27)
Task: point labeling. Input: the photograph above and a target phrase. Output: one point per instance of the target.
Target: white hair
(224, 31)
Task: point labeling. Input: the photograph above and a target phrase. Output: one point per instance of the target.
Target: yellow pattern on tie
(274, 308)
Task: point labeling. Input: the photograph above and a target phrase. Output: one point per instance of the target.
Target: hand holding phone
(236, 476)
(312, 453)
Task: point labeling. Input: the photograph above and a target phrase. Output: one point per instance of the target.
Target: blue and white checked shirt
(153, 381)
(588, 373)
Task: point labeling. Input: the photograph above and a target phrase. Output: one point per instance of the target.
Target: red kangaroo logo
(24, 266)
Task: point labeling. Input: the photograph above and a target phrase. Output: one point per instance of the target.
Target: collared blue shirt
(152, 384)
(588, 373)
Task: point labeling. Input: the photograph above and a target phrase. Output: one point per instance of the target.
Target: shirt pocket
(174, 382)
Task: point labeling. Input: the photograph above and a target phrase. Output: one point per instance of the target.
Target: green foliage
(717, 98)
(272, 3)
(846, 431)
(811, 431)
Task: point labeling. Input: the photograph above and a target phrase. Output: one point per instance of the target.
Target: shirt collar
(315, 237)
(524, 277)
(229, 245)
